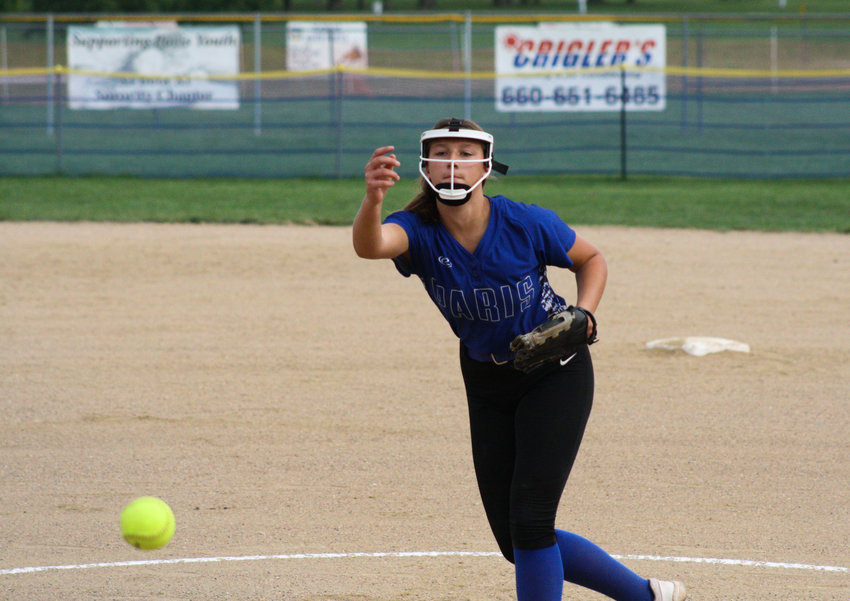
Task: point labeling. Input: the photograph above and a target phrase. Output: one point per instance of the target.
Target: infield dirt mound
(285, 397)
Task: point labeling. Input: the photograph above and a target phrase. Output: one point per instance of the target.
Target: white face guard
(450, 193)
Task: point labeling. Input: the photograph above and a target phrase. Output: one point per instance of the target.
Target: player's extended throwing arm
(371, 239)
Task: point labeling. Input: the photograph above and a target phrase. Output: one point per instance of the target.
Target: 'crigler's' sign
(577, 67)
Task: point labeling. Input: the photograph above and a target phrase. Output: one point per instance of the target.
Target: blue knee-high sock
(539, 574)
(587, 565)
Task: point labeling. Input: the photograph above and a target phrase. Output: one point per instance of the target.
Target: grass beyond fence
(775, 205)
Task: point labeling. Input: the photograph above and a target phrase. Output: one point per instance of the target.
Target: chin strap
(499, 167)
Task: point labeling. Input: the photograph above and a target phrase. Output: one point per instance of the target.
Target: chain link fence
(745, 97)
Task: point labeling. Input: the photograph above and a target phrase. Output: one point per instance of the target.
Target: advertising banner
(323, 45)
(157, 67)
(578, 67)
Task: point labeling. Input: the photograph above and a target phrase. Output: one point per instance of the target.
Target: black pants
(526, 430)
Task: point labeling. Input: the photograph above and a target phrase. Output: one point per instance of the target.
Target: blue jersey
(499, 291)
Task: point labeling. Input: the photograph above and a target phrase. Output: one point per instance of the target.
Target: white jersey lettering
(490, 305)
(438, 294)
(525, 289)
(507, 301)
(487, 304)
(458, 305)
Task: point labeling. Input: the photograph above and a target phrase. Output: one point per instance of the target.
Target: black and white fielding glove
(560, 335)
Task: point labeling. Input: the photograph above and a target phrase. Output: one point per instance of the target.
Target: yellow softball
(147, 523)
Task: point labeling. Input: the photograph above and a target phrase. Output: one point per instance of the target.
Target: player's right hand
(380, 173)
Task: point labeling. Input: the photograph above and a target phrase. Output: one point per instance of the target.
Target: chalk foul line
(404, 554)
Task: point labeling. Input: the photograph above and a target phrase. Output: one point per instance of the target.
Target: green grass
(767, 205)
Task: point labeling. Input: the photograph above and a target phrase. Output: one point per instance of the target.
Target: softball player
(483, 262)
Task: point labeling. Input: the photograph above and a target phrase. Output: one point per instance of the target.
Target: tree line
(213, 6)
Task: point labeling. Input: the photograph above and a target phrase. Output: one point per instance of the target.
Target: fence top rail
(474, 17)
(426, 74)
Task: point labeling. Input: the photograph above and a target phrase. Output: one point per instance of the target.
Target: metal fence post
(4, 62)
(624, 97)
(685, 42)
(258, 67)
(467, 65)
(60, 151)
(339, 98)
(774, 58)
(50, 74)
(700, 46)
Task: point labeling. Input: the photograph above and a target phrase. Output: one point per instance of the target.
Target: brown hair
(424, 204)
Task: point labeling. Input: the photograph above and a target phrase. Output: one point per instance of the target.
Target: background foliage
(596, 6)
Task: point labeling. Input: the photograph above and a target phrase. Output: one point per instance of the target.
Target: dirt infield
(291, 401)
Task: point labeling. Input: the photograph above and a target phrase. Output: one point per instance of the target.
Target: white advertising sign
(158, 67)
(312, 46)
(577, 67)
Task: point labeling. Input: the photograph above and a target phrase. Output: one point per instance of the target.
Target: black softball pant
(526, 430)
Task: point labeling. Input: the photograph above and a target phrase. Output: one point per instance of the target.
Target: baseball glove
(560, 335)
